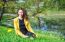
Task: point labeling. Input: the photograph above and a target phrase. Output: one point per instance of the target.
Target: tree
(3, 6)
(2, 10)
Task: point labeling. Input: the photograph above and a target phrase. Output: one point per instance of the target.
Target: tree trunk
(2, 13)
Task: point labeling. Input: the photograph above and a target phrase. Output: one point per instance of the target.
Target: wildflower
(9, 30)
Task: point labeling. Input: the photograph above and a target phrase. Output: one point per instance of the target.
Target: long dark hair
(25, 16)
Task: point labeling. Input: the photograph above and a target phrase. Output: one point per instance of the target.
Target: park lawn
(8, 35)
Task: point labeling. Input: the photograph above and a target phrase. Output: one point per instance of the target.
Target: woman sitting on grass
(22, 25)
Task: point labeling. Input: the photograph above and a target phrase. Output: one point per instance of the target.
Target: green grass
(8, 35)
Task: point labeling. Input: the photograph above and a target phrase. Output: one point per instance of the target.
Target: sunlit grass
(8, 35)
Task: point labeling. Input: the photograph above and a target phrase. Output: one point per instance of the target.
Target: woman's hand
(25, 36)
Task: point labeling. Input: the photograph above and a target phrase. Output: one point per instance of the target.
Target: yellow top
(17, 28)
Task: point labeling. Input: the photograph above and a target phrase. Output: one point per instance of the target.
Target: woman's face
(20, 12)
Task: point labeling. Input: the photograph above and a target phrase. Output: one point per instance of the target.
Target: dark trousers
(30, 34)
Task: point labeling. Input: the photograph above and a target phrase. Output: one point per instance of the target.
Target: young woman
(22, 25)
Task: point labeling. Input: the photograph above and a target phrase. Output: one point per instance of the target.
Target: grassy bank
(8, 35)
